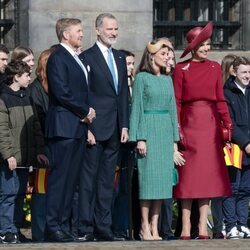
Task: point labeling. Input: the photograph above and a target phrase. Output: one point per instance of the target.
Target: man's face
(23, 80)
(3, 62)
(242, 75)
(74, 35)
(108, 32)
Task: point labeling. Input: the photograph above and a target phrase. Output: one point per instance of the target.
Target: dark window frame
(186, 15)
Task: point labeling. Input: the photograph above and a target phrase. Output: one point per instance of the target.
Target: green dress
(154, 120)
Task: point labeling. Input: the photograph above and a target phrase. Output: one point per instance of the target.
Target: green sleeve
(6, 148)
(137, 118)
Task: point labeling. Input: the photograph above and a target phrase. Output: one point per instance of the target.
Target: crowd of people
(112, 147)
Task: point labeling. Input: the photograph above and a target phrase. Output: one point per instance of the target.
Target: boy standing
(237, 94)
(21, 142)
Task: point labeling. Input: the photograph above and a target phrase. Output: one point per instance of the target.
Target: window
(8, 27)
(173, 18)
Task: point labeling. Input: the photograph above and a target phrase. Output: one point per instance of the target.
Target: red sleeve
(178, 80)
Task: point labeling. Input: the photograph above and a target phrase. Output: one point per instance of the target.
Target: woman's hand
(178, 158)
(142, 148)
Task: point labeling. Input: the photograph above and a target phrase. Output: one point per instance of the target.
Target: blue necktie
(112, 68)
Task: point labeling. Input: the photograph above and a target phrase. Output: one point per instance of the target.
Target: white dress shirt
(73, 53)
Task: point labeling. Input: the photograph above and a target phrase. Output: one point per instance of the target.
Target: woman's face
(201, 52)
(170, 62)
(161, 57)
(130, 65)
(30, 61)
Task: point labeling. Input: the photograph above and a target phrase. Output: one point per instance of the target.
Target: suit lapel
(86, 67)
(100, 60)
(72, 59)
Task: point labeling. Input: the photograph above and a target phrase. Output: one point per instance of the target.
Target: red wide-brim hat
(196, 36)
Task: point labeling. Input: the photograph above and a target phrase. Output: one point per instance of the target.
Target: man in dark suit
(108, 95)
(65, 126)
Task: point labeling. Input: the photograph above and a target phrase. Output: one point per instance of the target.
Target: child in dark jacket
(21, 142)
(237, 94)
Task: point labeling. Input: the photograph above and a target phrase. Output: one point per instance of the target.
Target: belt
(155, 112)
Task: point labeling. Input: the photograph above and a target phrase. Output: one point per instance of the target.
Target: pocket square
(88, 68)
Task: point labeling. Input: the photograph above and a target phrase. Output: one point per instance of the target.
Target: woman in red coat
(202, 110)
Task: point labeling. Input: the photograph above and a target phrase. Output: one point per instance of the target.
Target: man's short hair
(63, 24)
(16, 68)
(99, 19)
(4, 49)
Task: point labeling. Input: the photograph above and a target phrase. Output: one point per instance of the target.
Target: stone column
(246, 24)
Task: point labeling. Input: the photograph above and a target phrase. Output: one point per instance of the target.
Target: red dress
(201, 107)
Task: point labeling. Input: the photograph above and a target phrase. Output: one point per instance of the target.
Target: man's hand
(42, 159)
(91, 138)
(124, 135)
(247, 149)
(12, 163)
(90, 117)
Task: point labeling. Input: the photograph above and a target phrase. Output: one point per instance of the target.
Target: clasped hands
(90, 117)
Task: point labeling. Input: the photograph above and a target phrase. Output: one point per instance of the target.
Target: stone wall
(134, 18)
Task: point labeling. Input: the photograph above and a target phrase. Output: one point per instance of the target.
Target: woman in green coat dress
(153, 125)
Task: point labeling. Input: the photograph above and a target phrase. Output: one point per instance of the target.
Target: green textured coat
(154, 119)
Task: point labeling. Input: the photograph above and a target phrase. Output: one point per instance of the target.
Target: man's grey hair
(99, 19)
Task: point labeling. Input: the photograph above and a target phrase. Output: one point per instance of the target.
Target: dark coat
(40, 99)
(110, 107)
(68, 93)
(239, 108)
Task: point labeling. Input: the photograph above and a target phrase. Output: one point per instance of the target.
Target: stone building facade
(34, 21)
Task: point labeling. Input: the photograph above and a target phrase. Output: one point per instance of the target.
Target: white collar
(69, 49)
(239, 87)
(102, 47)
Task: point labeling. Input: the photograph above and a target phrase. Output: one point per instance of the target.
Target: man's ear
(66, 34)
(98, 31)
(15, 78)
(233, 72)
